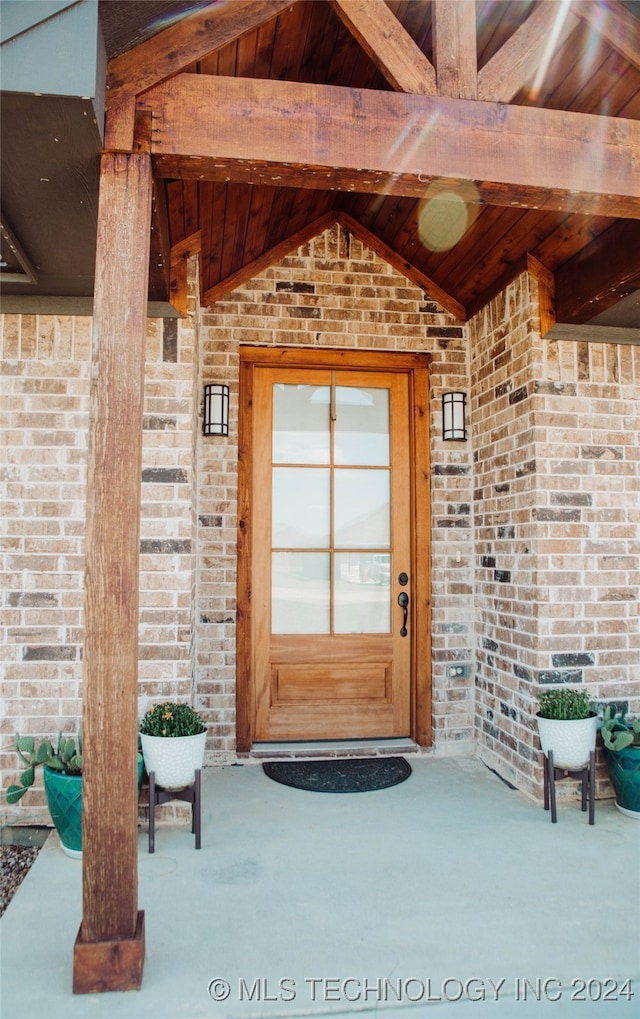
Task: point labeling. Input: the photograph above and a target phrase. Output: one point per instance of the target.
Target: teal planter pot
(624, 772)
(64, 799)
(140, 772)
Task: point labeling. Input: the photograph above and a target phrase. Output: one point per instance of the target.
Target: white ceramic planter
(570, 740)
(174, 759)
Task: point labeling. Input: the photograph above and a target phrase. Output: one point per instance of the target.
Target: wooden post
(546, 293)
(109, 949)
(455, 49)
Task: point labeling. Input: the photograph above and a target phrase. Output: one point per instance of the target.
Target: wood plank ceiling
(269, 119)
(309, 42)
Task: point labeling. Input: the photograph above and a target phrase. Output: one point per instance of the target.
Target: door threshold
(301, 749)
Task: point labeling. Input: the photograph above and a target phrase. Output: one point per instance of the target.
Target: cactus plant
(67, 758)
(172, 720)
(621, 739)
(617, 734)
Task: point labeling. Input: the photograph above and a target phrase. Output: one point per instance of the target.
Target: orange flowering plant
(169, 719)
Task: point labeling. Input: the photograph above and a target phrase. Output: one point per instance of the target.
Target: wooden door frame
(416, 367)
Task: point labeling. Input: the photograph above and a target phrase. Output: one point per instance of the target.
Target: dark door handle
(403, 602)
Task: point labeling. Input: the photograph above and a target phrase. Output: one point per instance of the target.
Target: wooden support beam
(599, 275)
(204, 32)
(430, 288)
(389, 45)
(524, 54)
(119, 126)
(615, 23)
(393, 143)
(110, 915)
(455, 49)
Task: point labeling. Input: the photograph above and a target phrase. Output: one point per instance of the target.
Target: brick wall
(167, 532)
(535, 555)
(44, 413)
(335, 292)
(557, 523)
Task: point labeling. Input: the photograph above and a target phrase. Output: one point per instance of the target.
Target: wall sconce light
(216, 409)
(453, 416)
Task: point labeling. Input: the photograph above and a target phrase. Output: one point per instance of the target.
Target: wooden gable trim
(391, 48)
(615, 24)
(516, 62)
(392, 143)
(572, 282)
(546, 288)
(546, 292)
(160, 243)
(180, 255)
(314, 229)
(430, 288)
(455, 49)
(268, 258)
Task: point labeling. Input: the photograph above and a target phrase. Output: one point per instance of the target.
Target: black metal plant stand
(587, 776)
(191, 794)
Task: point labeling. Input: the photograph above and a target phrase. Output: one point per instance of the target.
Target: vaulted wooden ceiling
(458, 235)
(463, 141)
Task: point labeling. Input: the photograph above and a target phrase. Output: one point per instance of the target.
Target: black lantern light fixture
(216, 409)
(454, 424)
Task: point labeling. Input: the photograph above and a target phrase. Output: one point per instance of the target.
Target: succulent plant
(66, 758)
(617, 734)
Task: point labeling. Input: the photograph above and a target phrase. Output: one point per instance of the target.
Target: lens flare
(552, 42)
(446, 213)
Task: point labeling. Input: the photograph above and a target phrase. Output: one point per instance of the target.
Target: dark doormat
(345, 775)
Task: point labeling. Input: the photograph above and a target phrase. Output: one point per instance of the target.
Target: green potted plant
(621, 740)
(173, 738)
(62, 784)
(567, 725)
(62, 771)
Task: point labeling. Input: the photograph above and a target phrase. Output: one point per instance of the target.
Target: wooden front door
(331, 549)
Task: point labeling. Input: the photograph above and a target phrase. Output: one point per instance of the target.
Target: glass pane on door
(362, 426)
(330, 509)
(361, 509)
(300, 424)
(300, 507)
(362, 586)
(300, 601)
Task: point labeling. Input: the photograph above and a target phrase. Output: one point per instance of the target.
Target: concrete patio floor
(450, 895)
